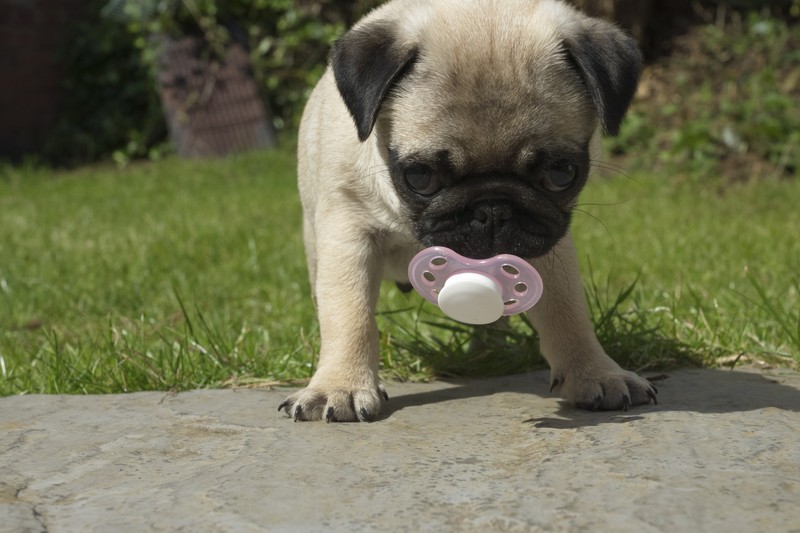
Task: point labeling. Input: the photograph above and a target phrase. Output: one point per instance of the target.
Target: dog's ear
(609, 62)
(367, 62)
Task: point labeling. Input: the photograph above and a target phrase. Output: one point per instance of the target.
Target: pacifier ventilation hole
(429, 276)
(512, 301)
(511, 270)
(520, 288)
(438, 262)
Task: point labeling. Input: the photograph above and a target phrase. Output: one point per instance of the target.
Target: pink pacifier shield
(475, 291)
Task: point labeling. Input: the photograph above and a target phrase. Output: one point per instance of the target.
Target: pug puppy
(470, 124)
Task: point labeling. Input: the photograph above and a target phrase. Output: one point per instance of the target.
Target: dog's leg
(310, 245)
(347, 275)
(580, 370)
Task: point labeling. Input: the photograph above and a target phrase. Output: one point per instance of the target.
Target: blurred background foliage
(719, 96)
(723, 102)
(111, 104)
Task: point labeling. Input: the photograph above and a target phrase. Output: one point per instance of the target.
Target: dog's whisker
(608, 164)
(371, 172)
(578, 210)
(601, 204)
(611, 167)
(552, 255)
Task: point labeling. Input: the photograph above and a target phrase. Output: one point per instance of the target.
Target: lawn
(180, 274)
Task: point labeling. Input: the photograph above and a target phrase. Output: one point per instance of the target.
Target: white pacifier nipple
(471, 298)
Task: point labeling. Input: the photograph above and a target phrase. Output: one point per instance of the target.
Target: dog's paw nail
(626, 402)
(593, 405)
(329, 416)
(598, 401)
(652, 396)
(365, 416)
(385, 395)
(298, 413)
(553, 385)
(283, 406)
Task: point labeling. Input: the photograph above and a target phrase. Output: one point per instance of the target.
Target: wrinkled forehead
(485, 108)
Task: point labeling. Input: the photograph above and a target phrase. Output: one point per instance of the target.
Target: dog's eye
(560, 176)
(423, 180)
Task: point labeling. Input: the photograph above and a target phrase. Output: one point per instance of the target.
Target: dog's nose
(491, 213)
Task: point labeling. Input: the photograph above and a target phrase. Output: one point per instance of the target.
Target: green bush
(288, 41)
(111, 100)
(725, 102)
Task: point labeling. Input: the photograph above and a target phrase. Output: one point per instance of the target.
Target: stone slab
(719, 453)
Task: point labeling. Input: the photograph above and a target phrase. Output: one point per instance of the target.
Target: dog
(470, 124)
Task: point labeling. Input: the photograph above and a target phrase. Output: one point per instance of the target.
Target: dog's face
(486, 120)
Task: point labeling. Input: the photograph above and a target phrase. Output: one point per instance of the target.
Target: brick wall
(32, 33)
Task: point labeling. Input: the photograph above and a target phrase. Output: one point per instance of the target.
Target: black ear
(367, 62)
(609, 61)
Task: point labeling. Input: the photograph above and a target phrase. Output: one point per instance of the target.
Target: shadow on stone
(691, 390)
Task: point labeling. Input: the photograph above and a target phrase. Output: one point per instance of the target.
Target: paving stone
(720, 452)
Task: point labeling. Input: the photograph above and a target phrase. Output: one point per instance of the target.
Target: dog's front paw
(605, 390)
(335, 404)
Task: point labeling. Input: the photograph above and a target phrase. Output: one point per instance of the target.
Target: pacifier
(475, 291)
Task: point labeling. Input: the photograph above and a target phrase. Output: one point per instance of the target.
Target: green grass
(181, 274)
(718, 270)
(173, 274)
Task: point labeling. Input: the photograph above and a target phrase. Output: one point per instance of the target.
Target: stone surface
(719, 453)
